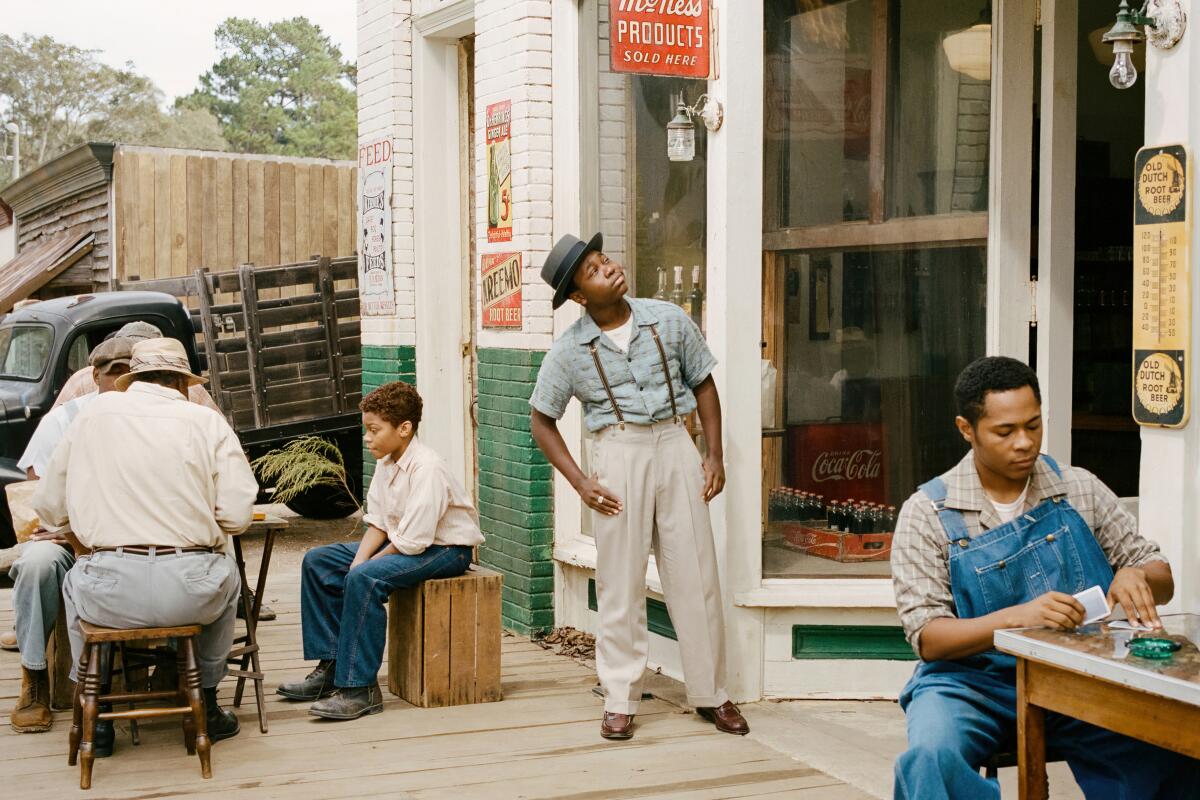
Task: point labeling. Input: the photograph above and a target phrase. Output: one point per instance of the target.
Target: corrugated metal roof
(38, 264)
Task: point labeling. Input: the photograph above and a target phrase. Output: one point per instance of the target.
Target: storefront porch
(541, 741)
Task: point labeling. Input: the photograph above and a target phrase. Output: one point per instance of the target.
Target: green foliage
(300, 465)
(280, 88)
(61, 96)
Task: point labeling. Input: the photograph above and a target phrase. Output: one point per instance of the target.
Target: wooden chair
(186, 700)
(1007, 757)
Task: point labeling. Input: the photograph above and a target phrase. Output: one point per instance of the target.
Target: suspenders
(662, 354)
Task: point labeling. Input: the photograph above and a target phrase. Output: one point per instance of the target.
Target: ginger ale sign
(1162, 309)
(499, 166)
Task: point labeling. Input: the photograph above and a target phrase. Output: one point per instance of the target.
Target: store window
(875, 281)
(653, 211)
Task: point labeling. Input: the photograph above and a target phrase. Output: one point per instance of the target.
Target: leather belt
(152, 549)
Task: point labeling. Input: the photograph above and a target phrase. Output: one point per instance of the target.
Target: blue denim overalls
(961, 712)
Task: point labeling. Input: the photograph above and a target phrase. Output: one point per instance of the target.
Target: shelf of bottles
(845, 530)
(691, 301)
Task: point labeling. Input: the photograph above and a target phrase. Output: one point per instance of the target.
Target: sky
(172, 47)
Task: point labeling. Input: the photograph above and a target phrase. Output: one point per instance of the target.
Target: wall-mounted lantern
(1164, 22)
(681, 130)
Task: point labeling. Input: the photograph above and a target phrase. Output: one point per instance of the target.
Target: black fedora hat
(564, 259)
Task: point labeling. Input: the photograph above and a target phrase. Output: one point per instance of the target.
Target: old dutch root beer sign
(1162, 277)
(500, 290)
(660, 37)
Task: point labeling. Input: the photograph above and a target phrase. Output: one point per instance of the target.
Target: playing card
(1095, 604)
(1126, 625)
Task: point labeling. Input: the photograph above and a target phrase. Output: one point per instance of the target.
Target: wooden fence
(175, 211)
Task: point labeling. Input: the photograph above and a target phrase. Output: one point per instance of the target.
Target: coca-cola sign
(847, 465)
(840, 460)
(660, 37)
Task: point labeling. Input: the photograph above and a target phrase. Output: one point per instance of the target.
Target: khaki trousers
(657, 472)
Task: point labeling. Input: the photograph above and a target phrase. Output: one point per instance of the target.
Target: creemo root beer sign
(661, 37)
(500, 290)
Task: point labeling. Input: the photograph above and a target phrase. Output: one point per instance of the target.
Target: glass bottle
(677, 295)
(661, 294)
(696, 299)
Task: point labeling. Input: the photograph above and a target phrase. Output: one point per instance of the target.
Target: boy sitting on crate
(420, 525)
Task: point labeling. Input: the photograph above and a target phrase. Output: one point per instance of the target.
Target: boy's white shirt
(417, 502)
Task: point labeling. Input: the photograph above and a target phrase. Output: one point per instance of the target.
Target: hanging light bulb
(1122, 36)
(681, 134)
(1123, 73)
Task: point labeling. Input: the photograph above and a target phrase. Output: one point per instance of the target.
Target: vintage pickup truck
(280, 346)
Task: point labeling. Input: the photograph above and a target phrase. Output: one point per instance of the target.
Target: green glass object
(1153, 647)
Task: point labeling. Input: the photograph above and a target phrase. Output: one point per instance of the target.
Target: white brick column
(385, 108)
(512, 62)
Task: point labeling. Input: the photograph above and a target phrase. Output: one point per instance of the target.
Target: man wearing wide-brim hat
(82, 383)
(639, 367)
(153, 486)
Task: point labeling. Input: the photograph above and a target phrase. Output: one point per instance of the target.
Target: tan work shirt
(921, 550)
(82, 383)
(418, 503)
(145, 466)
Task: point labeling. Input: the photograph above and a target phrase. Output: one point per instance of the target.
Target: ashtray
(1153, 647)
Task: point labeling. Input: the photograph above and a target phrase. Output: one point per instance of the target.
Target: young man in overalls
(1003, 540)
(638, 366)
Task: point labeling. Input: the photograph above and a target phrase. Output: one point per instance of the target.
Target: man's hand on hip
(596, 497)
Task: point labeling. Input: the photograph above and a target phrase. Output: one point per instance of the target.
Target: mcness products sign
(660, 37)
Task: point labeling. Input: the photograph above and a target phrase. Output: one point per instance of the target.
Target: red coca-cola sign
(841, 460)
(660, 37)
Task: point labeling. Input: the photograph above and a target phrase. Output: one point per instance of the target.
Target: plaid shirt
(921, 551)
(636, 376)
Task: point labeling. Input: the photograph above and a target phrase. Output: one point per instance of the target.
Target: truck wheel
(323, 502)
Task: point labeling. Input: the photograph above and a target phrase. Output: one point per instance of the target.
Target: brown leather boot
(32, 714)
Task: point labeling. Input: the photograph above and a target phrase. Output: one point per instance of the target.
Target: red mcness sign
(660, 37)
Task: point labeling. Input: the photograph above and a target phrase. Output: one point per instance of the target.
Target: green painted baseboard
(856, 642)
(658, 620)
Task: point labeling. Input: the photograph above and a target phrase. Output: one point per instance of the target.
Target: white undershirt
(620, 336)
(1009, 511)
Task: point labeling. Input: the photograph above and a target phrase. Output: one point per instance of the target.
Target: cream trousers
(657, 473)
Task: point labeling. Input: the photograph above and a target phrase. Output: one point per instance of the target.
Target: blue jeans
(37, 595)
(344, 613)
(956, 720)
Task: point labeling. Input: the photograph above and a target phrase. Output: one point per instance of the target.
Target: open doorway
(1104, 438)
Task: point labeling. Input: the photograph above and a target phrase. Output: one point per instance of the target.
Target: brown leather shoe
(8, 641)
(727, 718)
(32, 714)
(616, 726)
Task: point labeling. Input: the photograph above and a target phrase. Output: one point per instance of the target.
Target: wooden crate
(444, 640)
(836, 545)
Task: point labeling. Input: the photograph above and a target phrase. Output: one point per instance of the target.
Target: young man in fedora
(153, 486)
(638, 367)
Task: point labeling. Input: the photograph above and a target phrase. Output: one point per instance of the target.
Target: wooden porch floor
(541, 742)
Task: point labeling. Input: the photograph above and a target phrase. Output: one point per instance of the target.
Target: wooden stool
(187, 698)
(444, 640)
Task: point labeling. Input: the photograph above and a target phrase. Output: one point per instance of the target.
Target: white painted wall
(1170, 485)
